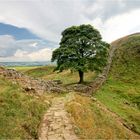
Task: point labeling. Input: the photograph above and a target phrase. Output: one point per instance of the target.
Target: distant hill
(35, 63)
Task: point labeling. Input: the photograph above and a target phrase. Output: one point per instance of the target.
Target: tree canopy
(81, 49)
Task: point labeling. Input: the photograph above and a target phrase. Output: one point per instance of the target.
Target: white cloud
(7, 42)
(41, 55)
(45, 18)
(3, 40)
(121, 25)
(48, 18)
(34, 44)
(20, 54)
(106, 9)
(24, 50)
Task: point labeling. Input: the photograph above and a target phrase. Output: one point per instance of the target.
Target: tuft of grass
(20, 113)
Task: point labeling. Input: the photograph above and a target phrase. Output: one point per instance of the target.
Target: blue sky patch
(18, 33)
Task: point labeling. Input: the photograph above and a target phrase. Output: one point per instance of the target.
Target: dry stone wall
(101, 78)
(30, 84)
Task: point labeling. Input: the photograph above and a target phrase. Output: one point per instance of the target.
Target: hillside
(126, 60)
(121, 92)
(20, 113)
(114, 111)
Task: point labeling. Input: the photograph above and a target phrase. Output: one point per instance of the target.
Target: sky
(31, 29)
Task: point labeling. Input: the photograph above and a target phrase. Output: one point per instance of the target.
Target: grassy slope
(40, 72)
(94, 123)
(20, 113)
(121, 93)
(47, 73)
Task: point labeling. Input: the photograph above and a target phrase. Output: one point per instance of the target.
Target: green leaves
(81, 48)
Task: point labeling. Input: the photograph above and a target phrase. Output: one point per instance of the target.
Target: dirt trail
(56, 124)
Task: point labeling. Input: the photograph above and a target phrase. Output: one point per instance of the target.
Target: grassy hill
(126, 60)
(121, 92)
(20, 113)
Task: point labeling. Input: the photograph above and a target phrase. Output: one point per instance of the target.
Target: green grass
(40, 72)
(47, 73)
(68, 77)
(123, 99)
(20, 113)
(34, 71)
(22, 68)
(93, 123)
(121, 92)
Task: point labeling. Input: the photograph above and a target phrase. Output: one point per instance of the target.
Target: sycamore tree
(81, 49)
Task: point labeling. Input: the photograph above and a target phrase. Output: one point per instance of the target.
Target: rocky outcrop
(80, 88)
(31, 85)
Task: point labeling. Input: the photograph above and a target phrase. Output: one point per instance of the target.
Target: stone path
(56, 124)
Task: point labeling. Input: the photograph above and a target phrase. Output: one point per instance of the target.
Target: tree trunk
(81, 75)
